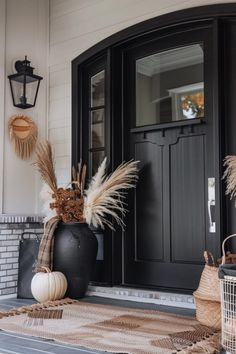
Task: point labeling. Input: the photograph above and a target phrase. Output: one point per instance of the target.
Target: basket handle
(223, 247)
(206, 255)
(22, 237)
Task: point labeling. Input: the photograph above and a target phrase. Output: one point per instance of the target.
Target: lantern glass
(24, 90)
(17, 91)
(30, 92)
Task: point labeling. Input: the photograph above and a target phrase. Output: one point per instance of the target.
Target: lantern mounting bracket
(24, 66)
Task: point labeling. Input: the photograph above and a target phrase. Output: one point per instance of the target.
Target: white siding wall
(76, 25)
(24, 30)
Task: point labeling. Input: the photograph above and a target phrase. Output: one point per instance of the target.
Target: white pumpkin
(48, 285)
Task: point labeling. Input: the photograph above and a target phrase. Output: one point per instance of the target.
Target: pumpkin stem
(46, 269)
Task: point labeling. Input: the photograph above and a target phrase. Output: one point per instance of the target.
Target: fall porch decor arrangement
(104, 196)
(23, 134)
(68, 244)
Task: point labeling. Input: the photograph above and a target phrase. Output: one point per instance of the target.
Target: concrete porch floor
(11, 343)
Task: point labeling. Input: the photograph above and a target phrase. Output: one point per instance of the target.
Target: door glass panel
(170, 86)
(98, 89)
(97, 128)
(97, 115)
(97, 138)
(97, 135)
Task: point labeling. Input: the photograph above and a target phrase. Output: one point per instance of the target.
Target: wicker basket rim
(212, 267)
(197, 295)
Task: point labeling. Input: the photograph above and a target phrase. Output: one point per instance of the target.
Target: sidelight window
(97, 120)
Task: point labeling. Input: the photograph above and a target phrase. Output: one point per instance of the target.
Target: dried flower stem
(45, 165)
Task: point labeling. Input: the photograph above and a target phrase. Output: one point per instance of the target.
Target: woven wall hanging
(23, 134)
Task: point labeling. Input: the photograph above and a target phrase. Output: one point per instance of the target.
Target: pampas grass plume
(105, 195)
(230, 175)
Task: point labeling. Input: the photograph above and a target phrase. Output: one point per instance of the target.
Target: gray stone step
(140, 295)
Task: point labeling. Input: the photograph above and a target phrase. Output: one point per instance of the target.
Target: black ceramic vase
(75, 251)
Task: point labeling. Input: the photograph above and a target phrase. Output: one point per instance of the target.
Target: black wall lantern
(24, 85)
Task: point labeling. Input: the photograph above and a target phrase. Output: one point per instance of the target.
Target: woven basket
(208, 312)
(207, 296)
(209, 285)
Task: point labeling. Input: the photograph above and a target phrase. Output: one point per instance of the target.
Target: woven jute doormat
(111, 328)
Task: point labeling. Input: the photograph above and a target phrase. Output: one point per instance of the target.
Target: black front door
(170, 127)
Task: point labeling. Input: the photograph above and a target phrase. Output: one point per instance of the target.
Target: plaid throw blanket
(45, 255)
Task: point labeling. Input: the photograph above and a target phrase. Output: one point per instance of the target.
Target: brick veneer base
(10, 234)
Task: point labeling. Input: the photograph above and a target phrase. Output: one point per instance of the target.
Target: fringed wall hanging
(23, 134)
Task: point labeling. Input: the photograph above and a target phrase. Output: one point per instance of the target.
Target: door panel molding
(187, 185)
(150, 195)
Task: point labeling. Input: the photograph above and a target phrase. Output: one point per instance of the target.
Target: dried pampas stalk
(230, 175)
(104, 197)
(73, 173)
(79, 177)
(83, 179)
(45, 165)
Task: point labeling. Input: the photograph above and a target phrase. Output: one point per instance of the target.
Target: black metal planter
(75, 251)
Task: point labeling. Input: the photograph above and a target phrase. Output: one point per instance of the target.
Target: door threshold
(145, 296)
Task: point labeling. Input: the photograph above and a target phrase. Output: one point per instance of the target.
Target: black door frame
(112, 47)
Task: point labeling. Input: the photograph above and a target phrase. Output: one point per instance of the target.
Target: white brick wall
(9, 253)
(76, 25)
